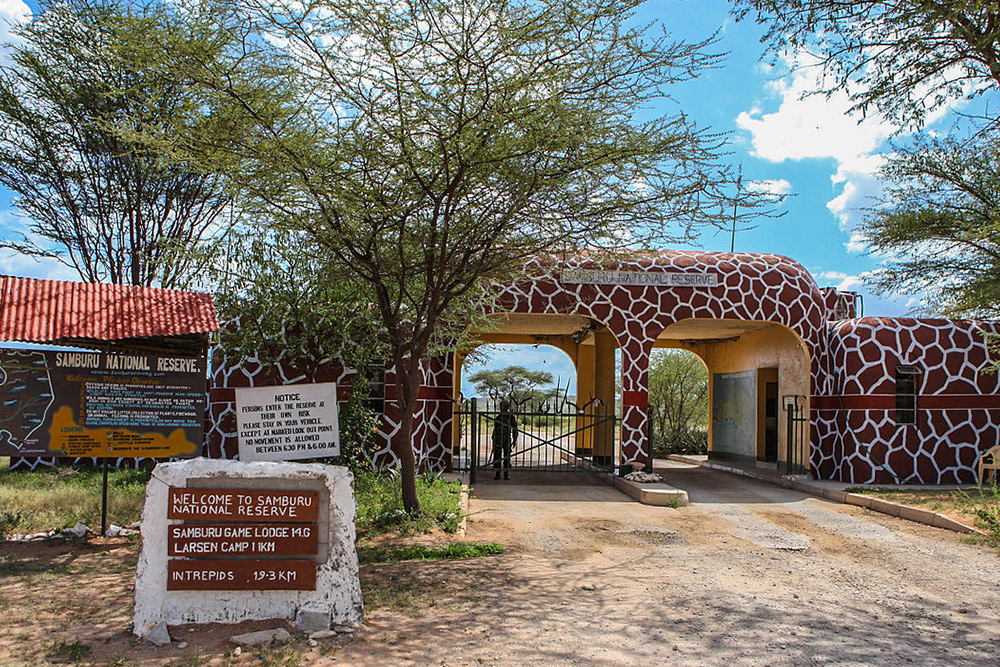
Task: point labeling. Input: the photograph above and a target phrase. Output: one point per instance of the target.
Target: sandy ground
(750, 574)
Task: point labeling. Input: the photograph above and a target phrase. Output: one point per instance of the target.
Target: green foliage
(938, 221)
(678, 394)
(283, 301)
(428, 148)
(682, 441)
(514, 382)
(358, 427)
(455, 550)
(94, 195)
(74, 651)
(380, 504)
(988, 514)
(60, 496)
(904, 59)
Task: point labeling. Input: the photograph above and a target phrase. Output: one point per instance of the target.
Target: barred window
(907, 388)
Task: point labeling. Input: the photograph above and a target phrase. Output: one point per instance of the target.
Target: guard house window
(376, 388)
(907, 385)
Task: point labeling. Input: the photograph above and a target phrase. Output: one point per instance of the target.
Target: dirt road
(750, 574)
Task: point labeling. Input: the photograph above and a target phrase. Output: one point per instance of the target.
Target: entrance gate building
(798, 378)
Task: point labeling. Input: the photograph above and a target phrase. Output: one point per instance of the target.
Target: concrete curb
(915, 514)
(653, 493)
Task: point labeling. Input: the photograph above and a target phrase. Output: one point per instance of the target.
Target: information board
(287, 422)
(97, 404)
(249, 543)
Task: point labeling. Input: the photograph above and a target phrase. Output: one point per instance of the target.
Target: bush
(379, 497)
(681, 441)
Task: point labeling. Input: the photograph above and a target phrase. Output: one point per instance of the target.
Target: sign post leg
(104, 498)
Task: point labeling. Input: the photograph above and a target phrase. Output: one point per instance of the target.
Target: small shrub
(680, 441)
(74, 651)
(379, 498)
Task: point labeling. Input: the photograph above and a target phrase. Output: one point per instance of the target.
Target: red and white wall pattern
(852, 363)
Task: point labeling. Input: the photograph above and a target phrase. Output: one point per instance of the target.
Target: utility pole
(736, 201)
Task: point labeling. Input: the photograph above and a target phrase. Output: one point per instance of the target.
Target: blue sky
(809, 148)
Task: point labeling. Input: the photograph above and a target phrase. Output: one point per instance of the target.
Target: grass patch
(380, 504)
(61, 496)
(456, 550)
(63, 651)
(982, 505)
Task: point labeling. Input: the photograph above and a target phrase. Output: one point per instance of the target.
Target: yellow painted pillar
(604, 389)
(585, 390)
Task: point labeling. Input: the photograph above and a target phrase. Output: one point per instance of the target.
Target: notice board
(98, 404)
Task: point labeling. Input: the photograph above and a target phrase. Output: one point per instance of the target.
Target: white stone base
(338, 588)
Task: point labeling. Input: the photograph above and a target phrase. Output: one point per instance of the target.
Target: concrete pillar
(585, 390)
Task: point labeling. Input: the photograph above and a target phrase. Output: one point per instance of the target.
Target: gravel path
(749, 574)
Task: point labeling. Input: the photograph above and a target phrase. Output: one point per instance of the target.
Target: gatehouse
(798, 376)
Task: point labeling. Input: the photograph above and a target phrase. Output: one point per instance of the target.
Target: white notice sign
(288, 422)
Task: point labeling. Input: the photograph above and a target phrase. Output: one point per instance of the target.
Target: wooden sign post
(242, 539)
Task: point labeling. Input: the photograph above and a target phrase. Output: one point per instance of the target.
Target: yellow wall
(772, 347)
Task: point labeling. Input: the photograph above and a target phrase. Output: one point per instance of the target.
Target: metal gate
(795, 429)
(552, 436)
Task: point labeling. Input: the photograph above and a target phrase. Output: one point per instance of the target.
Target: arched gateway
(871, 399)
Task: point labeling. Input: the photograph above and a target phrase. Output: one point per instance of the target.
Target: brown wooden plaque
(241, 575)
(243, 505)
(202, 540)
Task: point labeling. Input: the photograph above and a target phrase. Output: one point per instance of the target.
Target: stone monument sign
(227, 541)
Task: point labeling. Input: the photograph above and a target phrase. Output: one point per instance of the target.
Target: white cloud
(770, 186)
(812, 126)
(844, 282)
(819, 127)
(12, 12)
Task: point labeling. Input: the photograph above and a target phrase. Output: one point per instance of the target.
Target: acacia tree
(93, 196)
(678, 393)
(901, 59)
(516, 382)
(431, 147)
(939, 221)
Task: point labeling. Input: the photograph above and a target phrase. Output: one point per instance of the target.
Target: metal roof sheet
(44, 311)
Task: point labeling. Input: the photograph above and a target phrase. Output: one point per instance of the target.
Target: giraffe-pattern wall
(958, 405)
(431, 424)
(756, 287)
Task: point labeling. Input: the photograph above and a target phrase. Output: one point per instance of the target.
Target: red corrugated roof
(38, 311)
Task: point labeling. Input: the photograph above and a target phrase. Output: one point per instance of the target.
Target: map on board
(98, 404)
(734, 413)
(27, 398)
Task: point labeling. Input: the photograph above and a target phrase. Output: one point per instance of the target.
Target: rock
(237, 651)
(589, 587)
(323, 634)
(158, 635)
(313, 619)
(182, 645)
(113, 531)
(78, 531)
(133, 526)
(261, 637)
(313, 643)
(344, 629)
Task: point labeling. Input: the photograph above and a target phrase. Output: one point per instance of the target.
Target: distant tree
(108, 205)
(939, 222)
(678, 394)
(515, 382)
(903, 59)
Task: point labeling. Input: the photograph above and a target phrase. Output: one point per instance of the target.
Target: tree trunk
(408, 464)
(407, 389)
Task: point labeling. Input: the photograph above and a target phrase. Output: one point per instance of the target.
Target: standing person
(504, 438)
